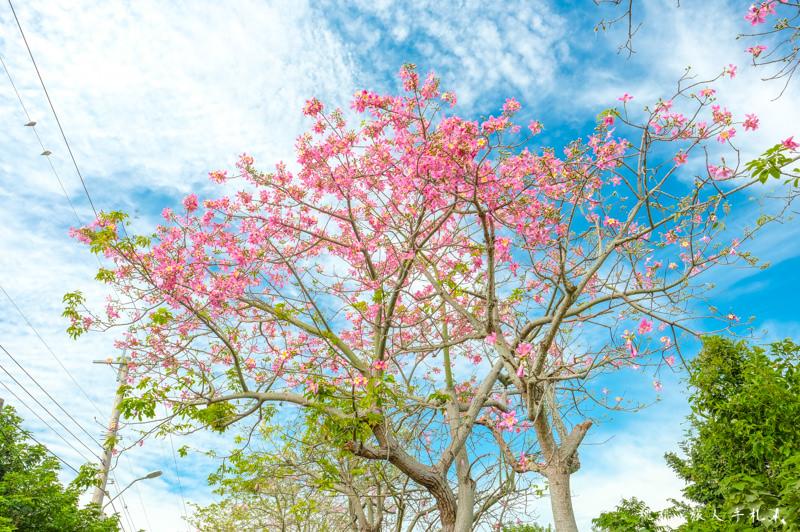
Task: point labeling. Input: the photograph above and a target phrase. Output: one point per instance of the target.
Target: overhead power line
(32, 124)
(50, 350)
(17, 397)
(49, 101)
(80, 176)
(28, 434)
(52, 399)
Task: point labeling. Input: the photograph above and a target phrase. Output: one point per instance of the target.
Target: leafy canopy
(741, 447)
(31, 497)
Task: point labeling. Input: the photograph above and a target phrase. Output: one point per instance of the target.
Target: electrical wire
(57, 433)
(178, 474)
(117, 513)
(44, 150)
(121, 498)
(125, 507)
(50, 350)
(86, 190)
(29, 435)
(52, 399)
(173, 474)
(139, 493)
(37, 442)
(66, 195)
(64, 136)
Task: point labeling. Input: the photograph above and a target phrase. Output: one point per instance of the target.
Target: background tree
(276, 478)
(741, 465)
(31, 497)
(741, 447)
(427, 275)
(279, 503)
(535, 527)
(631, 515)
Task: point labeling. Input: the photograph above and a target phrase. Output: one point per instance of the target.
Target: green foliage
(772, 164)
(72, 301)
(282, 490)
(741, 449)
(741, 465)
(216, 416)
(631, 515)
(535, 527)
(31, 497)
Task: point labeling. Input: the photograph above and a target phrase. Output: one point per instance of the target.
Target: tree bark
(466, 492)
(561, 501)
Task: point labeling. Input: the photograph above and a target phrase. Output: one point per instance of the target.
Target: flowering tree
(782, 17)
(427, 277)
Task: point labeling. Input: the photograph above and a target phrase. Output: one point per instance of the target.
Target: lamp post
(154, 474)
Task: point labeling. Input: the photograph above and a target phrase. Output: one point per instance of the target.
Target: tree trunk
(446, 504)
(466, 492)
(561, 501)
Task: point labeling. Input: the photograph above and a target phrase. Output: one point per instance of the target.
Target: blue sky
(154, 95)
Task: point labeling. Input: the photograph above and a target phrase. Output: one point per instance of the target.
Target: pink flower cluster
(757, 14)
(755, 50)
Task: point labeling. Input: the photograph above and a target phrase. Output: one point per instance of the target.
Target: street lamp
(154, 474)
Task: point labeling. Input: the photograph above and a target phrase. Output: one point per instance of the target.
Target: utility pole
(102, 475)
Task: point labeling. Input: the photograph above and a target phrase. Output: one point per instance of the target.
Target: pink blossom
(313, 107)
(634, 352)
(509, 420)
(758, 14)
(719, 172)
(726, 135)
(680, 158)
(645, 326)
(535, 127)
(449, 97)
(523, 349)
(190, 202)
(608, 120)
(755, 16)
(491, 339)
(218, 177)
(625, 97)
(756, 50)
(657, 386)
(670, 360)
(511, 106)
(734, 245)
(790, 143)
(707, 92)
(751, 123)
(731, 70)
